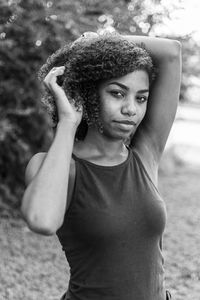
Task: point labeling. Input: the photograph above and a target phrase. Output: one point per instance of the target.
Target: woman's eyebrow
(120, 84)
(143, 91)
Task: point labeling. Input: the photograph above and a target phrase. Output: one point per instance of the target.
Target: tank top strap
(77, 160)
(74, 156)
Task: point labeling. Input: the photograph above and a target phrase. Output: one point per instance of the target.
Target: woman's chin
(118, 135)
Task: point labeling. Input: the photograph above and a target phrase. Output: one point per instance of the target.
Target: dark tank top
(112, 233)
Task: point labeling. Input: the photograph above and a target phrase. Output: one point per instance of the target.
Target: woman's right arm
(45, 199)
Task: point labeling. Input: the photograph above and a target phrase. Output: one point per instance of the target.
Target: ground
(33, 267)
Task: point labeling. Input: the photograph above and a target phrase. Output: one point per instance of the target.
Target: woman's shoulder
(35, 163)
(33, 166)
(36, 160)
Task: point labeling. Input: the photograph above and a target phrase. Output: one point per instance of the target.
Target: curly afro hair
(88, 62)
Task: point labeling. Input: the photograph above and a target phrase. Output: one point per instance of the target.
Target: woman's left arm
(164, 94)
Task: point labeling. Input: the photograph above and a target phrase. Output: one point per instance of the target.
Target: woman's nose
(129, 108)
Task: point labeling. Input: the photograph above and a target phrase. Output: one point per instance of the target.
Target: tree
(23, 125)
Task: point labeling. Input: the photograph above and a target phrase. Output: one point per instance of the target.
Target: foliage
(29, 32)
(191, 69)
(23, 124)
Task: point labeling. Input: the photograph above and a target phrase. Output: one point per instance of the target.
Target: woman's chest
(114, 208)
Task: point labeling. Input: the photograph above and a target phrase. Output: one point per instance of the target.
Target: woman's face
(123, 104)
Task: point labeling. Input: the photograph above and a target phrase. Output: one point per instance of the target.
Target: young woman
(96, 187)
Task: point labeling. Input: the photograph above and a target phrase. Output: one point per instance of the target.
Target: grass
(33, 267)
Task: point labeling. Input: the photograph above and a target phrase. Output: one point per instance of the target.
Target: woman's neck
(97, 144)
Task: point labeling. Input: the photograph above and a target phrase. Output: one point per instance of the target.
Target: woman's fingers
(50, 80)
(66, 109)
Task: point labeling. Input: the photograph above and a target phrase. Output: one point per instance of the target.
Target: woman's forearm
(161, 49)
(44, 201)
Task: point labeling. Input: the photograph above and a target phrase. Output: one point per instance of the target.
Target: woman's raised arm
(164, 94)
(44, 201)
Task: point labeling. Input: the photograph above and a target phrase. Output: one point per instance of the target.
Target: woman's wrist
(67, 125)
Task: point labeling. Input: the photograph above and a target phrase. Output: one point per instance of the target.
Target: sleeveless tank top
(112, 233)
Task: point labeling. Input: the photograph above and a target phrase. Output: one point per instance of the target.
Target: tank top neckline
(76, 158)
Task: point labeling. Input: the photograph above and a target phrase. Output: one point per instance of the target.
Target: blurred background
(29, 32)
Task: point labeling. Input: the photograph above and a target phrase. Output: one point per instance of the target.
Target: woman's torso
(112, 233)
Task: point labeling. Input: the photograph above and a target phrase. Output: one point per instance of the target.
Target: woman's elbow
(43, 229)
(40, 224)
(175, 52)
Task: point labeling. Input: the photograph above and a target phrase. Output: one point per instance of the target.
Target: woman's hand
(66, 110)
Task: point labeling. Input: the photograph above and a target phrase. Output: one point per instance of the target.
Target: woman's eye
(142, 99)
(117, 94)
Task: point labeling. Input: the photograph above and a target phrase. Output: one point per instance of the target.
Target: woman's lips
(125, 124)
